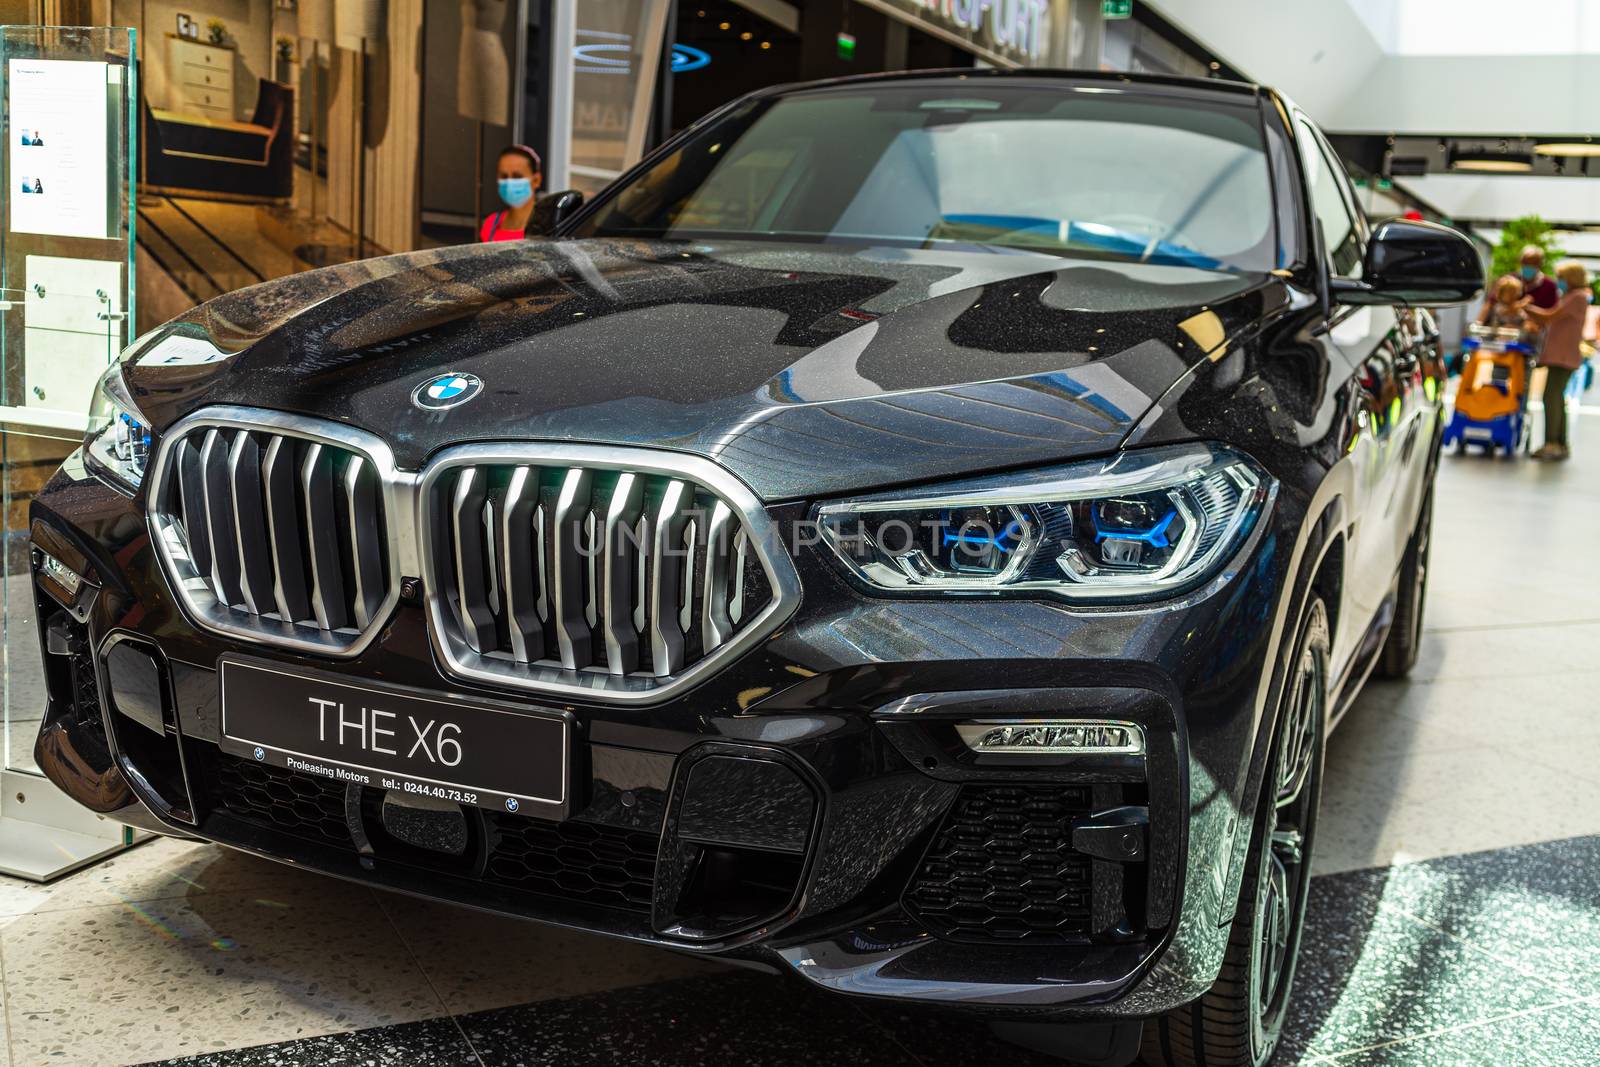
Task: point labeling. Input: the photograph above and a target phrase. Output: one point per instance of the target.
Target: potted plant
(217, 32)
(285, 57)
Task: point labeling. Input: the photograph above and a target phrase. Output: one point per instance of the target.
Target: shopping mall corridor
(1455, 918)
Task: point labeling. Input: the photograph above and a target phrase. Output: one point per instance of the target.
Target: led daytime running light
(1075, 737)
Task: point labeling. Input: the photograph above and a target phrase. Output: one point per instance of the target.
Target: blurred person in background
(1536, 284)
(1561, 354)
(1503, 309)
(518, 177)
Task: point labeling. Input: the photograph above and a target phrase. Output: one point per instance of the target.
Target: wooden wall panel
(393, 135)
(393, 167)
(341, 132)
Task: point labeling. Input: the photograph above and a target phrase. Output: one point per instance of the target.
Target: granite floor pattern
(1477, 959)
(1455, 919)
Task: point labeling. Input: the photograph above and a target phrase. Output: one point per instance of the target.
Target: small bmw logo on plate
(511, 804)
(446, 391)
(261, 753)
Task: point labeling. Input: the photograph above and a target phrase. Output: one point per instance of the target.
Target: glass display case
(66, 310)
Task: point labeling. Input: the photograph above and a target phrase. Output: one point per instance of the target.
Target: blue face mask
(1528, 273)
(516, 191)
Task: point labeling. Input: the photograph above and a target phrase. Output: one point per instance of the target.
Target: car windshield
(1099, 172)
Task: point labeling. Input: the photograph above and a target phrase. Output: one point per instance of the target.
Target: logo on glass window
(446, 391)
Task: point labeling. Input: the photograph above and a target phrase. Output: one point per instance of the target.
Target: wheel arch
(1318, 569)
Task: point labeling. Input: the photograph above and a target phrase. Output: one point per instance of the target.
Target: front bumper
(801, 810)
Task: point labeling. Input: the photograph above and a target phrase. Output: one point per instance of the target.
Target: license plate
(415, 742)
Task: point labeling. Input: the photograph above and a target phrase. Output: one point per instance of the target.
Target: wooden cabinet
(201, 78)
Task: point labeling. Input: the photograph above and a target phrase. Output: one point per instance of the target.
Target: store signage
(1116, 9)
(845, 44)
(1018, 28)
(609, 57)
(686, 58)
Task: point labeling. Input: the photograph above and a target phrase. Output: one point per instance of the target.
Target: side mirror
(552, 209)
(1413, 262)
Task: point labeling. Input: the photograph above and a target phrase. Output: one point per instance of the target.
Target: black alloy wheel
(1239, 1021)
(1404, 642)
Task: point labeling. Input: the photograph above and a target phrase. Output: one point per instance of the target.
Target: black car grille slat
(519, 565)
(276, 529)
(1002, 867)
(250, 525)
(285, 528)
(570, 556)
(216, 520)
(587, 569)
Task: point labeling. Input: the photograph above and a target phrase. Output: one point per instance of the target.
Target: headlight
(1138, 526)
(117, 443)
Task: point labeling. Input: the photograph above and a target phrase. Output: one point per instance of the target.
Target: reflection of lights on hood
(685, 58)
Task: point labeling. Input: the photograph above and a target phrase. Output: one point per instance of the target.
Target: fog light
(64, 576)
(1074, 737)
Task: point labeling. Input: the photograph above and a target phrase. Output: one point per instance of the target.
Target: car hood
(804, 369)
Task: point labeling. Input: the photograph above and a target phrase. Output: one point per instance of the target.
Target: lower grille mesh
(299, 804)
(604, 865)
(581, 862)
(1002, 867)
(85, 688)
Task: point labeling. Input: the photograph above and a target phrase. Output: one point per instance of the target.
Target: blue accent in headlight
(1155, 535)
(1005, 541)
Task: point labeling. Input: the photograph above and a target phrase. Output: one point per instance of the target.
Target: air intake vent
(603, 572)
(277, 534)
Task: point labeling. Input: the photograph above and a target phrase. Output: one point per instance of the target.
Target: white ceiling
(1502, 196)
(1492, 67)
(1481, 27)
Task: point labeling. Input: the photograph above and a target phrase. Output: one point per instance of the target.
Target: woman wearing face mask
(1561, 353)
(519, 179)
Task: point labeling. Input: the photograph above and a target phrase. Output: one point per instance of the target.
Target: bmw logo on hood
(446, 391)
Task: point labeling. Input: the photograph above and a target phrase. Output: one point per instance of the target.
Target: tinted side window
(1339, 231)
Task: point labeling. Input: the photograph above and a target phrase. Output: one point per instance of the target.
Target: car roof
(1201, 86)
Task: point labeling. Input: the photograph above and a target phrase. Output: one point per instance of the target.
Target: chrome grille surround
(265, 474)
(413, 546)
(605, 612)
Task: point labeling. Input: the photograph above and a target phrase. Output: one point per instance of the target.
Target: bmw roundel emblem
(511, 804)
(260, 753)
(446, 391)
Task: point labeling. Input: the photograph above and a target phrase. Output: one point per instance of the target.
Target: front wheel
(1239, 1021)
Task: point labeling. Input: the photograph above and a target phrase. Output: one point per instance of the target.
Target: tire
(1239, 1021)
(1404, 642)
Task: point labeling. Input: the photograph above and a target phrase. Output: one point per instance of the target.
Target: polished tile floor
(1455, 919)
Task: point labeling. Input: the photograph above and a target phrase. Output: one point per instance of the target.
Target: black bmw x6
(911, 533)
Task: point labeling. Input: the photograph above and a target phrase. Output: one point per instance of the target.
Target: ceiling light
(724, 25)
(1490, 161)
(1568, 148)
(766, 44)
(746, 35)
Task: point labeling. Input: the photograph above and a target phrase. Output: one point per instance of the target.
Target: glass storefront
(643, 69)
